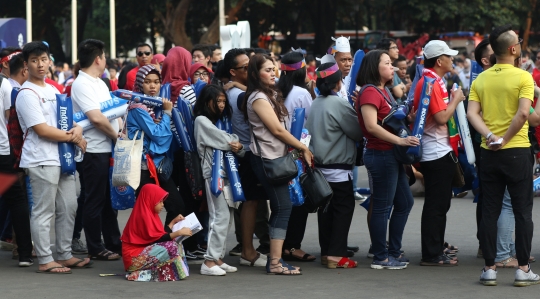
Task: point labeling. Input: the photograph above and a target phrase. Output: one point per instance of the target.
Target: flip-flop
(75, 265)
(104, 256)
(49, 270)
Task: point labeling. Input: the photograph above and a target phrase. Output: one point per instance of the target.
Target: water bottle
(79, 155)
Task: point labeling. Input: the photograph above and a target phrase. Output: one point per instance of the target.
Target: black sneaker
(236, 251)
(193, 259)
(26, 262)
(263, 249)
(200, 252)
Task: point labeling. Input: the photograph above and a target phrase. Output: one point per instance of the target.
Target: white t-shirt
(32, 111)
(298, 97)
(343, 91)
(435, 141)
(87, 94)
(5, 104)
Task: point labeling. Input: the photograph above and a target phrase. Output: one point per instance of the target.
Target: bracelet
(531, 110)
(489, 135)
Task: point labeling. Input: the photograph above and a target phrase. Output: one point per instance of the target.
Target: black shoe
(193, 259)
(26, 262)
(237, 250)
(353, 248)
(263, 249)
(350, 253)
(199, 251)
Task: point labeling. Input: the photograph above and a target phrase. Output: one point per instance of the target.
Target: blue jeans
(390, 187)
(280, 201)
(505, 229)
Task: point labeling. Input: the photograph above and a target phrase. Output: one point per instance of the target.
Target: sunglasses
(245, 67)
(140, 54)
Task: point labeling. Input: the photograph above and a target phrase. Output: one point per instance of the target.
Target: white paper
(191, 222)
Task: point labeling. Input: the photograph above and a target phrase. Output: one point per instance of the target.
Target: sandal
(286, 269)
(76, 265)
(344, 263)
(291, 257)
(440, 261)
(50, 270)
(450, 246)
(105, 255)
(510, 262)
(450, 253)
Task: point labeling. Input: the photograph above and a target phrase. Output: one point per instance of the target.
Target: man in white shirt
(87, 92)
(53, 192)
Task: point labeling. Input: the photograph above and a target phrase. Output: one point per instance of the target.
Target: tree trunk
(175, 24)
(528, 25)
(324, 22)
(212, 35)
(82, 18)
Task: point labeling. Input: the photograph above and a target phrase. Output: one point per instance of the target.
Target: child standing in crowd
(157, 138)
(390, 185)
(150, 252)
(211, 106)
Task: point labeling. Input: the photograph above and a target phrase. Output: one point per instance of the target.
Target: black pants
(80, 206)
(478, 163)
(512, 169)
(174, 203)
(296, 228)
(334, 224)
(98, 215)
(438, 176)
(17, 202)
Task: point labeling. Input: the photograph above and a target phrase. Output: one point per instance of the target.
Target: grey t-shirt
(240, 126)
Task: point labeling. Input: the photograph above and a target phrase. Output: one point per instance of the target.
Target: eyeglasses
(393, 48)
(140, 54)
(520, 40)
(245, 67)
(199, 74)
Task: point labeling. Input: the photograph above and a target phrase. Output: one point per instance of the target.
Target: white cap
(436, 48)
(342, 44)
(327, 59)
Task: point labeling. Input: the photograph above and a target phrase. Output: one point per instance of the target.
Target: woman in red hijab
(149, 251)
(175, 70)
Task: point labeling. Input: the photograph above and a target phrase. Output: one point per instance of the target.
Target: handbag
(165, 169)
(127, 162)
(192, 163)
(458, 180)
(316, 188)
(280, 170)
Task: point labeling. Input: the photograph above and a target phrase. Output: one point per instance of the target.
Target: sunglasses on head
(140, 54)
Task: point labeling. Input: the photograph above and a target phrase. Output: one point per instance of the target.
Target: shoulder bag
(316, 188)
(280, 170)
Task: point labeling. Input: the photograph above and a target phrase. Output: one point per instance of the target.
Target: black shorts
(253, 189)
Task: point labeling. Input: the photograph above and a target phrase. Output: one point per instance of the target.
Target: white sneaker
(489, 277)
(260, 261)
(524, 279)
(228, 268)
(214, 271)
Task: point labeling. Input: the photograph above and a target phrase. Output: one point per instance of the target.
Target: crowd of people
(259, 92)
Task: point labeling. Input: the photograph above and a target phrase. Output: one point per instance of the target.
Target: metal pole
(221, 12)
(112, 28)
(28, 21)
(73, 31)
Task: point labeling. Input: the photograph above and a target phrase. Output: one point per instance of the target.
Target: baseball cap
(437, 48)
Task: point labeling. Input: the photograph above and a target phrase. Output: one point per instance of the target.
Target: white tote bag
(127, 162)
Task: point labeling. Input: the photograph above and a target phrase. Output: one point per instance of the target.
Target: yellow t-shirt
(498, 90)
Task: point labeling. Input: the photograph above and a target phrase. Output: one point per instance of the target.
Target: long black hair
(211, 93)
(290, 78)
(254, 84)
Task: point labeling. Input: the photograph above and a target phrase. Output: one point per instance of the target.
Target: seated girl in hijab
(148, 250)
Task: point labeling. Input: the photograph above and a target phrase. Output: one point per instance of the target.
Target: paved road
(316, 281)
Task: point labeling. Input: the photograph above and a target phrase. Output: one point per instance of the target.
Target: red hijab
(194, 67)
(175, 70)
(144, 225)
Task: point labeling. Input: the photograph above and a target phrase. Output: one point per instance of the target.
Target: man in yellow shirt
(499, 104)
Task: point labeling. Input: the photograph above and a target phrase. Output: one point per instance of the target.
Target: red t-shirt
(372, 97)
(436, 104)
(130, 78)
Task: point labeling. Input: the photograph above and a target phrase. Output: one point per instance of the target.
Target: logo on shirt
(498, 70)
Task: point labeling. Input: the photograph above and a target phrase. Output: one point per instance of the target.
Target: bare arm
(397, 90)
(100, 122)
(518, 121)
(475, 118)
(265, 111)
(369, 114)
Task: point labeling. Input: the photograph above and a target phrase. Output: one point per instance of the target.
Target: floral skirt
(163, 261)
